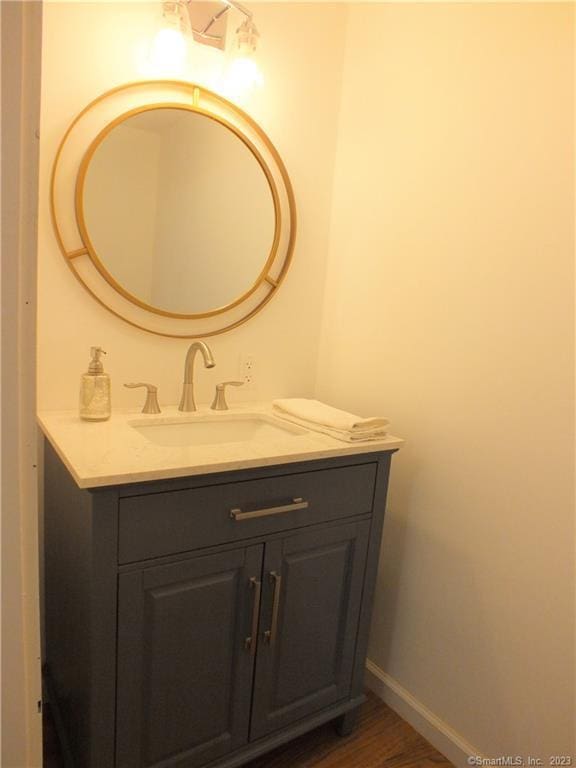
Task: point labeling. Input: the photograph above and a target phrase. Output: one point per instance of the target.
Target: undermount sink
(213, 430)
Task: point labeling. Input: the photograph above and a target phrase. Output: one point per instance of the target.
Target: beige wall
(91, 47)
(449, 308)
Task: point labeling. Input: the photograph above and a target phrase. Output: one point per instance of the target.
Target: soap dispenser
(95, 389)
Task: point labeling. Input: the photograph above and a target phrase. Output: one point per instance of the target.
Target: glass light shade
(169, 52)
(243, 75)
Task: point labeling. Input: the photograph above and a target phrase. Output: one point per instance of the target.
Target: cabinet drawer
(166, 523)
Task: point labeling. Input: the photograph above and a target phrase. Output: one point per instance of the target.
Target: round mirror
(177, 211)
(173, 208)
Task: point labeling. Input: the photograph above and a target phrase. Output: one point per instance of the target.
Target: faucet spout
(187, 402)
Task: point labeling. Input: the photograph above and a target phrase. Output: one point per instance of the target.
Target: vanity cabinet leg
(345, 724)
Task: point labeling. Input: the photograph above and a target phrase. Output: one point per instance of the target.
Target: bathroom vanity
(208, 577)
(207, 607)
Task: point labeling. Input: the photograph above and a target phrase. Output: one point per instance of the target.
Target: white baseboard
(455, 748)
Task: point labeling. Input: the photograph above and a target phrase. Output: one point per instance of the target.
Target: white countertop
(113, 452)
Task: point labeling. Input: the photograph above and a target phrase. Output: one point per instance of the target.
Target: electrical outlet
(248, 372)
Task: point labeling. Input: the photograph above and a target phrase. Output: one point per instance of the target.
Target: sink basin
(213, 430)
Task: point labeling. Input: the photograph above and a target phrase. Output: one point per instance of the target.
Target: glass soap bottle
(95, 389)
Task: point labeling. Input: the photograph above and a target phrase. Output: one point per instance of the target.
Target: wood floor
(381, 740)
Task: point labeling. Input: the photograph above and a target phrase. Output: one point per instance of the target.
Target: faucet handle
(151, 404)
(219, 403)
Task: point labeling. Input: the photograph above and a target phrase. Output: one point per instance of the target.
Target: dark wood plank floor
(381, 740)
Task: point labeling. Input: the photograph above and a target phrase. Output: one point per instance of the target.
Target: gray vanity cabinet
(312, 591)
(203, 621)
(189, 634)
(185, 659)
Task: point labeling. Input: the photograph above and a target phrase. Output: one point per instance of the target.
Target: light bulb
(244, 74)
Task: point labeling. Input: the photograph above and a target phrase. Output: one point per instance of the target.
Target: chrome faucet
(187, 400)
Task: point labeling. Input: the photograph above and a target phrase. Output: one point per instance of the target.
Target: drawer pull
(237, 514)
(270, 634)
(250, 642)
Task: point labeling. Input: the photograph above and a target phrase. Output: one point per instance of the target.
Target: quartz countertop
(113, 452)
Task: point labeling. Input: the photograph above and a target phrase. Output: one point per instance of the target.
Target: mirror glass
(177, 211)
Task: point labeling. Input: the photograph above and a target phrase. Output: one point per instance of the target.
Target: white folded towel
(332, 421)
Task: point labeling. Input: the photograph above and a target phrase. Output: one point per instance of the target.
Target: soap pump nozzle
(96, 365)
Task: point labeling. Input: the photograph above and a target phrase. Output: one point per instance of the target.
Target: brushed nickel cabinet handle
(250, 642)
(270, 634)
(298, 503)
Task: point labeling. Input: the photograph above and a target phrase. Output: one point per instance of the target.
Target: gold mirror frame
(76, 149)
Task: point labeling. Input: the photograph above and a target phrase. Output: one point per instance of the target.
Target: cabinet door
(186, 658)
(312, 589)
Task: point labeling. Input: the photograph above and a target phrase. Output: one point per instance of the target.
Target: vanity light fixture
(246, 35)
(182, 19)
(178, 16)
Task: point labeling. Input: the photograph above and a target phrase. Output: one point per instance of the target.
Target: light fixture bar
(204, 33)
